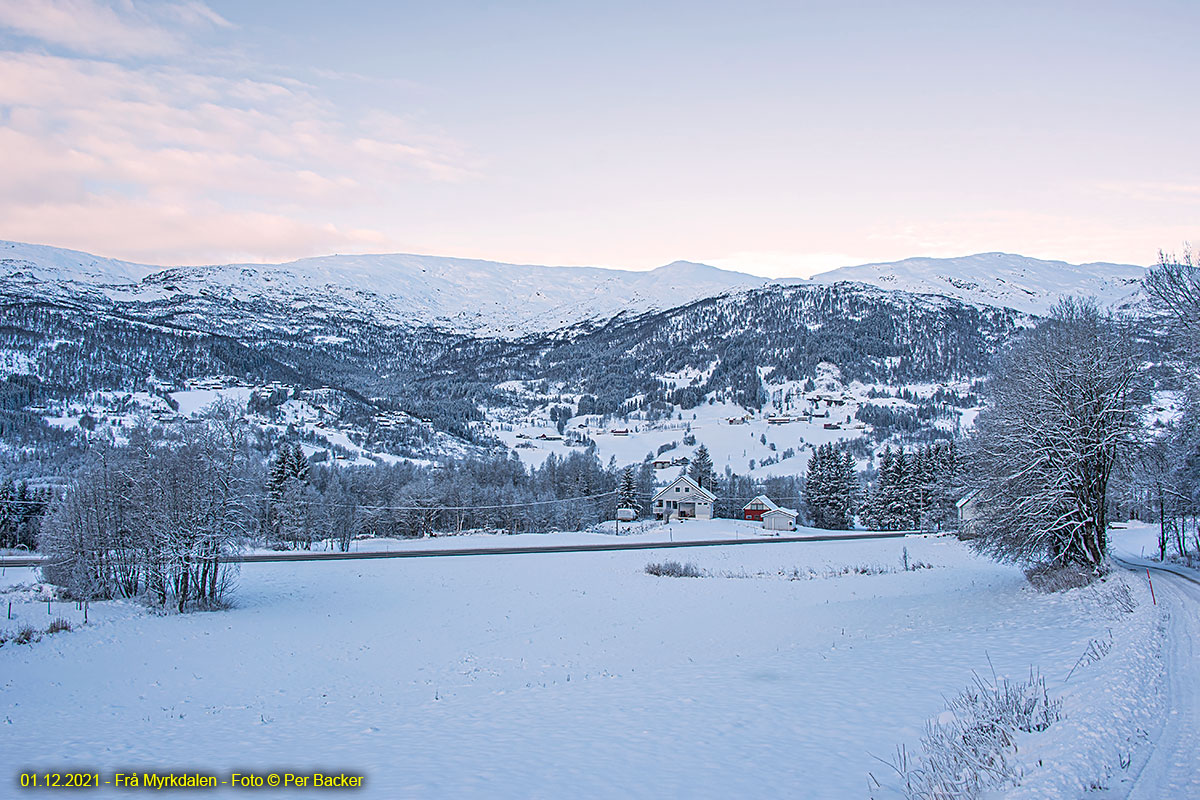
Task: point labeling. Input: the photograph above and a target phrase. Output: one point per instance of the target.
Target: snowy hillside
(462, 295)
(1026, 284)
(35, 262)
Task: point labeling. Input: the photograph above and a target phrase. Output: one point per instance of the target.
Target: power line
(460, 508)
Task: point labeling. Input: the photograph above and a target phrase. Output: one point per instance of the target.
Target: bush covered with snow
(1049, 578)
(969, 748)
(673, 569)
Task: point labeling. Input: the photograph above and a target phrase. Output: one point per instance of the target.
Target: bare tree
(155, 516)
(1062, 410)
(1174, 286)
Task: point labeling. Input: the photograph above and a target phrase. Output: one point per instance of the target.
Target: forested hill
(72, 345)
(730, 345)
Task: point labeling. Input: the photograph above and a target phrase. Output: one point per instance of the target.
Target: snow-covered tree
(1062, 410)
(627, 491)
(700, 469)
(830, 488)
(1174, 286)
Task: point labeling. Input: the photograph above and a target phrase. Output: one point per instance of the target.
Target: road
(307, 555)
(1171, 769)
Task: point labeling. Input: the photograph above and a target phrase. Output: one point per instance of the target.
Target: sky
(777, 138)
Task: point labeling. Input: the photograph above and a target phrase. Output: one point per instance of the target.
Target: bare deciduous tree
(1174, 286)
(1062, 410)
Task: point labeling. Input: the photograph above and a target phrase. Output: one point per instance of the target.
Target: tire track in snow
(1172, 768)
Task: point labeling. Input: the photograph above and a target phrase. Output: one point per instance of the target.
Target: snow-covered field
(573, 675)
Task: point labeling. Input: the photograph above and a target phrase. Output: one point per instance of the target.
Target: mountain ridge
(492, 298)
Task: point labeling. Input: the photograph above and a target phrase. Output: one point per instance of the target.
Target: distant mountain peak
(1031, 285)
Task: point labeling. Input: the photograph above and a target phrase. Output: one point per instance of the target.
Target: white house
(683, 498)
(779, 519)
(965, 509)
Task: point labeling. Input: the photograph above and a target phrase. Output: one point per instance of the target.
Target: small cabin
(683, 498)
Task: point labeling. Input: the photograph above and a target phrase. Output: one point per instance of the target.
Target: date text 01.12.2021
(60, 780)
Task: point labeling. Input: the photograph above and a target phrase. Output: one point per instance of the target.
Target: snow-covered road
(1170, 767)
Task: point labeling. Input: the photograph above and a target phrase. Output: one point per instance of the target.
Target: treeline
(446, 379)
(1165, 477)
(914, 491)
(21, 509)
(154, 517)
(309, 503)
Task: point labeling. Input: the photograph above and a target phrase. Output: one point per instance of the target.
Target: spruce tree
(700, 469)
(627, 493)
(299, 463)
(279, 474)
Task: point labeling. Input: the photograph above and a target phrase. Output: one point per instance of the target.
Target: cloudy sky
(780, 138)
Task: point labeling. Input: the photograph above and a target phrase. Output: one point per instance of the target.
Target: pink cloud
(93, 138)
(163, 233)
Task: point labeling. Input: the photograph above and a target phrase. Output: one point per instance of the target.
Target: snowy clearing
(564, 675)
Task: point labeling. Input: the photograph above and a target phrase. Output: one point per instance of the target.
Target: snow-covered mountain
(490, 298)
(462, 295)
(1012, 281)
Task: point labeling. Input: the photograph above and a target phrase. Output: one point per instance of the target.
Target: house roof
(762, 498)
(692, 486)
(787, 512)
(966, 498)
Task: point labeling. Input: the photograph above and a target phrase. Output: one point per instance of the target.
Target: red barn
(755, 509)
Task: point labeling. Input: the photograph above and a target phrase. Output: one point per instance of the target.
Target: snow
(512, 300)
(193, 401)
(731, 445)
(545, 675)
(465, 295)
(1026, 284)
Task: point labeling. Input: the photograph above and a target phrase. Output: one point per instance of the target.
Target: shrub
(673, 569)
(1049, 578)
(27, 634)
(970, 752)
(59, 625)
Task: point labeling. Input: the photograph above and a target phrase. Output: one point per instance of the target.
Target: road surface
(1170, 770)
(308, 555)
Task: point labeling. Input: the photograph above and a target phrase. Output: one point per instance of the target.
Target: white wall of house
(778, 521)
(682, 498)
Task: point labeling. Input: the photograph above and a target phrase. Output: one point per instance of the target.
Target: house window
(678, 488)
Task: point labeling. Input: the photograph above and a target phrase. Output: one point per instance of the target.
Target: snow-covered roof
(692, 486)
(764, 500)
(781, 510)
(966, 498)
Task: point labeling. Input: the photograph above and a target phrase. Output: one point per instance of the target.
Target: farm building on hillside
(683, 498)
(755, 509)
(779, 519)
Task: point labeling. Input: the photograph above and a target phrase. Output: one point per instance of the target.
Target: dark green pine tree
(280, 471)
(846, 493)
(627, 492)
(820, 487)
(884, 507)
(898, 503)
(700, 469)
(299, 463)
